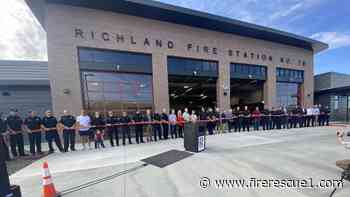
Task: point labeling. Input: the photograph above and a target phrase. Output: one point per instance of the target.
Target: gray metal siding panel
(38, 99)
(23, 70)
(322, 82)
(340, 80)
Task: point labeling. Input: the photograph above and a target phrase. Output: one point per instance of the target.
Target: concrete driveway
(296, 154)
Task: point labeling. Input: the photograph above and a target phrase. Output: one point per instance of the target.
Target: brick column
(223, 86)
(308, 85)
(160, 82)
(270, 87)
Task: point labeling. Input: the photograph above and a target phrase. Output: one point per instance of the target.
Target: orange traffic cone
(48, 186)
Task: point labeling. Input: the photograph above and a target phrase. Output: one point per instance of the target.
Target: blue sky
(325, 20)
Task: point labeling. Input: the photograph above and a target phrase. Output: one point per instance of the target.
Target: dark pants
(256, 124)
(246, 124)
(181, 131)
(98, 143)
(157, 131)
(239, 124)
(113, 133)
(165, 131)
(69, 139)
(126, 133)
(35, 141)
(211, 127)
(53, 136)
(16, 141)
(173, 132)
(139, 133)
(265, 123)
(4, 147)
(326, 119)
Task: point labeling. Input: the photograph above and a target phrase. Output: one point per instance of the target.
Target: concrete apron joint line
(100, 180)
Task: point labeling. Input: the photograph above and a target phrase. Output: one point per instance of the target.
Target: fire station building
(138, 54)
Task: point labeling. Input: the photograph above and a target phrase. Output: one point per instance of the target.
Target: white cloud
(334, 39)
(22, 37)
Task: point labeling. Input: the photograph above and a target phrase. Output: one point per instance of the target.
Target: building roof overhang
(183, 16)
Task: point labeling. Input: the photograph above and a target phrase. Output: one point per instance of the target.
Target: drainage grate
(167, 158)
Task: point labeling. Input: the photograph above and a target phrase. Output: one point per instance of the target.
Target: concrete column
(308, 86)
(160, 81)
(223, 86)
(270, 87)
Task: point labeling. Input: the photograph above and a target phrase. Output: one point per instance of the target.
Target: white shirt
(85, 121)
(194, 117)
(309, 111)
(316, 111)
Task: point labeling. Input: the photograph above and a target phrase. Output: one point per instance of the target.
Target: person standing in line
(217, 122)
(193, 117)
(186, 115)
(84, 128)
(138, 119)
(112, 129)
(211, 121)
(3, 140)
(229, 120)
(326, 115)
(15, 128)
(246, 119)
(68, 124)
(295, 117)
(33, 126)
(202, 118)
(99, 138)
(97, 123)
(49, 125)
(165, 124)
(222, 122)
(265, 119)
(256, 115)
(284, 117)
(309, 117)
(125, 121)
(172, 121)
(318, 114)
(240, 119)
(157, 130)
(148, 126)
(180, 120)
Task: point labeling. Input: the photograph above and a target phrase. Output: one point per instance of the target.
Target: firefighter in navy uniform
(246, 118)
(165, 124)
(276, 119)
(239, 115)
(326, 116)
(265, 119)
(49, 124)
(295, 114)
(68, 123)
(125, 121)
(112, 129)
(33, 124)
(157, 131)
(14, 126)
(3, 133)
(138, 119)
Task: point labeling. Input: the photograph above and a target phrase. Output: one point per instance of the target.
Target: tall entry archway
(247, 84)
(192, 83)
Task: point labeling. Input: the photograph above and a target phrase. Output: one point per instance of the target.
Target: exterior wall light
(66, 91)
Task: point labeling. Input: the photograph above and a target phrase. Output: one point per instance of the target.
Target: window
(289, 75)
(117, 91)
(245, 71)
(184, 66)
(288, 94)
